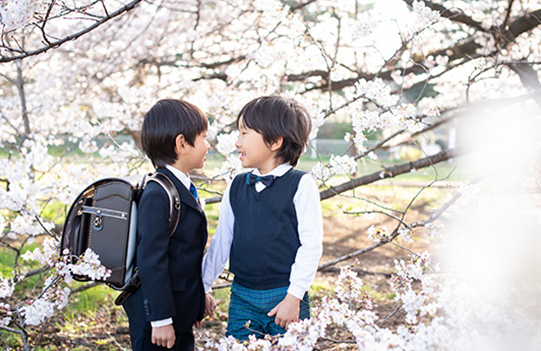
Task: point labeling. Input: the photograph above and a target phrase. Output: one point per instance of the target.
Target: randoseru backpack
(104, 218)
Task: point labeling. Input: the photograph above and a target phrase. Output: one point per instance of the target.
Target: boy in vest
(171, 298)
(270, 226)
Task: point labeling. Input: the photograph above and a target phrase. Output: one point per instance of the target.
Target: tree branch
(59, 42)
(390, 172)
(431, 219)
(371, 178)
(453, 15)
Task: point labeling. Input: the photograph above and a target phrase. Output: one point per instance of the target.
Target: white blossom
(376, 234)
(320, 172)
(405, 235)
(89, 265)
(425, 15)
(120, 153)
(226, 142)
(39, 310)
(5, 310)
(15, 14)
(87, 145)
(230, 168)
(342, 164)
(6, 288)
(47, 254)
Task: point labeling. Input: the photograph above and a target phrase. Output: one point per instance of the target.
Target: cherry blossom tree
(75, 73)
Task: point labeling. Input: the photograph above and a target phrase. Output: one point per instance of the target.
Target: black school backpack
(104, 218)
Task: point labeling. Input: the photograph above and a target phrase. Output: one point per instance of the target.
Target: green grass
(54, 211)
(222, 299)
(90, 300)
(10, 341)
(381, 297)
(6, 262)
(7, 259)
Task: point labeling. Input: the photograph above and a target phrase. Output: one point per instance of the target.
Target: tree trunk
(22, 97)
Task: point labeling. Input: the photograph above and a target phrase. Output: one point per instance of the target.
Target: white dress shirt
(310, 228)
(186, 181)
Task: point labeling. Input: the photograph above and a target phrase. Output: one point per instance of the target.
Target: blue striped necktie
(193, 190)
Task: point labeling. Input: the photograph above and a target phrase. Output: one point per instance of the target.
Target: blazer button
(147, 307)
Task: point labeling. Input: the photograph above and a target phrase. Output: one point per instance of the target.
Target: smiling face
(254, 152)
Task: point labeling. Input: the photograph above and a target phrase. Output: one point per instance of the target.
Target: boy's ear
(180, 144)
(276, 145)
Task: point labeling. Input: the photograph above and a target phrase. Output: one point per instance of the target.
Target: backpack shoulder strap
(174, 198)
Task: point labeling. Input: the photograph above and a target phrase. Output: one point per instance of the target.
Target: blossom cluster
(18, 13)
(337, 165)
(53, 295)
(352, 309)
(425, 15)
(415, 303)
(226, 142)
(43, 307)
(377, 234)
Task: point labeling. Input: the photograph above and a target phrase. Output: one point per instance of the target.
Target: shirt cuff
(161, 322)
(296, 291)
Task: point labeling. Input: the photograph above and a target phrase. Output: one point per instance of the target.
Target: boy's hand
(286, 311)
(210, 305)
(163, 336)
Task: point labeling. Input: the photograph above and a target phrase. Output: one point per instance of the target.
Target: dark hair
(164, 122)
(275, 117)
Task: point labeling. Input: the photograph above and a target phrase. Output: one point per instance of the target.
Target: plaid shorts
(253, 305)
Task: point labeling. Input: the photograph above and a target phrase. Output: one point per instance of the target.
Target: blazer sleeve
(152, 253)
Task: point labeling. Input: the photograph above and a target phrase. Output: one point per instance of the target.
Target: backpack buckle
(98, 223)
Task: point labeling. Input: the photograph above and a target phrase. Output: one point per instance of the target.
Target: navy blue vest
(265, 234)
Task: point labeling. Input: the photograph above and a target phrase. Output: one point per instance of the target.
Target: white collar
(184, 178)
(277, 172)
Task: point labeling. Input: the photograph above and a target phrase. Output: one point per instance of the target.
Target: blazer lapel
(186, 196)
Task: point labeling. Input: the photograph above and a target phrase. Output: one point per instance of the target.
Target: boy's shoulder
(297, 172)
(156, 193)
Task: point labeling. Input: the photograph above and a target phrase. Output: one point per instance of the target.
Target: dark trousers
(141, 339)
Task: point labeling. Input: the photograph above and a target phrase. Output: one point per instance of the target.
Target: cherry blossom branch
(21, 332)
(356, 253)
(390, 172)
(356, 213)
(453, 15)
(508, 13)
(351, 255)
(462, 51)
(393, 312)
(10, 124)
(438, 213)
(57, 43)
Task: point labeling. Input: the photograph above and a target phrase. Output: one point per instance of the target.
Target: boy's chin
(246, 164)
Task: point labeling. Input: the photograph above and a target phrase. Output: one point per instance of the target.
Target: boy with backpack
(171, 298)
(270, 226)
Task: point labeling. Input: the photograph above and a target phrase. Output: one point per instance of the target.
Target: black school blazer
(169, 267)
